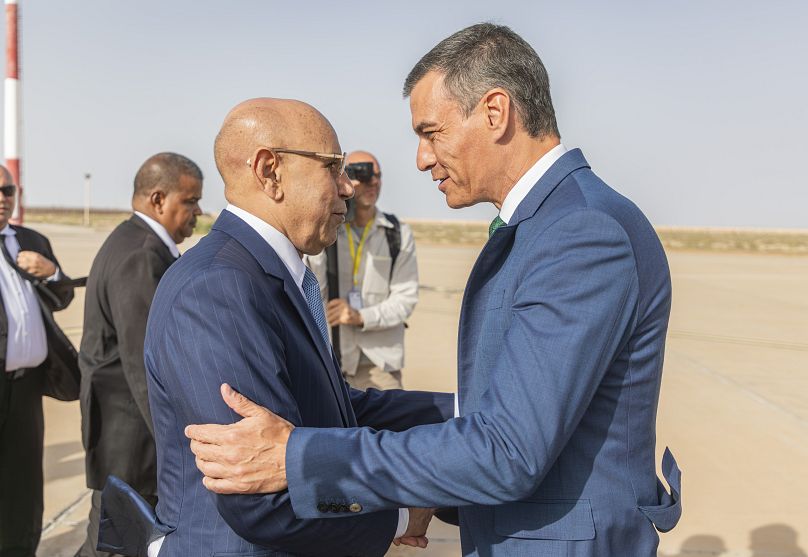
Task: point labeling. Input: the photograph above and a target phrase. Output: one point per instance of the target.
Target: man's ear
(265, 167)
(496, 107)
(157, 199)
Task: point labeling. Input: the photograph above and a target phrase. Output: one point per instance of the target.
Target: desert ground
(733, 408)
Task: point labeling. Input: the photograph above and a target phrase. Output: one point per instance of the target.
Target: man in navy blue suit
(241, 309)
(561, 340)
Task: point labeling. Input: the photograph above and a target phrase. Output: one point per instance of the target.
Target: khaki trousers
(370, 376)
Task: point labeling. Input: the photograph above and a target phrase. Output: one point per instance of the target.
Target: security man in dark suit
(116, 424)
(36, 358)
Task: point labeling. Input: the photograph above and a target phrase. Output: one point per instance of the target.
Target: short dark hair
(164, 169)
(477, 59)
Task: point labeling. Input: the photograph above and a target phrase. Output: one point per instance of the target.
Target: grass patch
(794, 242)
(100, 219)
(460, 233)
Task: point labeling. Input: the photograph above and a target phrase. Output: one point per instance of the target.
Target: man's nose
(425, 157)
(344, 186)
(197, 210)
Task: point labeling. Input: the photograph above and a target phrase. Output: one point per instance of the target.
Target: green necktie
(496, 223)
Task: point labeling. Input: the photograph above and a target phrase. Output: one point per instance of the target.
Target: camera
(362, 171)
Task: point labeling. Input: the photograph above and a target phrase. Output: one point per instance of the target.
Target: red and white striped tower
(13, 120)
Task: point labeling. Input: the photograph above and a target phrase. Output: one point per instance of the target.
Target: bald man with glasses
(34, 355)
(241, 308)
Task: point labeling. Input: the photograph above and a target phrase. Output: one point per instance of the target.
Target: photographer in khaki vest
(373, 286)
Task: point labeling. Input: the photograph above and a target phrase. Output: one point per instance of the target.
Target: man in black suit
(31, 347)
(116, 426)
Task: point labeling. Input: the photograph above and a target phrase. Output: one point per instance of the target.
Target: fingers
(413, 541)
(213, 452)
(35, 263)
(225, 487)
(213, 470)
(213, 434)
(333, 313)
(239, 403)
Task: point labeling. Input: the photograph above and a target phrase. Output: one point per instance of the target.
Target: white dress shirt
(161, 231)
(285, 249)
(528, 180)
(27, 344)
(294, 264)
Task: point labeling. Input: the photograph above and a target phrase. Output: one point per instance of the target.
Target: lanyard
(356, 251)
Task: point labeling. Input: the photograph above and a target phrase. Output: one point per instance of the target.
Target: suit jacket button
(334, 508)
(322, 507)
(355, 507)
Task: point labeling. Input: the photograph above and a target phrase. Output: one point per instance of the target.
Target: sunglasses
(8, 190)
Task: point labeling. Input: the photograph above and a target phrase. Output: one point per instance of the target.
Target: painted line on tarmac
(702, 368)
(746, 341)
(64, 513)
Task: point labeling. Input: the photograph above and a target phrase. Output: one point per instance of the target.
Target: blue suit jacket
(561, 340)
(228, 311)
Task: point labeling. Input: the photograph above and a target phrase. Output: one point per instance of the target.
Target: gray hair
(164, 169)
(484, 56)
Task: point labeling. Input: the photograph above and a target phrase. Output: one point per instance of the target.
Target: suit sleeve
(573, 303)
(398, 410)
(131, 288)
(224, 328)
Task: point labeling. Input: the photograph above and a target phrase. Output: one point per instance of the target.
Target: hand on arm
(501, 451)
(248, 456)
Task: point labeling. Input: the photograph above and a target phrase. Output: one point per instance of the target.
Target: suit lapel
(482, 283)
(162, 248)
(272, 265)
(324, 351)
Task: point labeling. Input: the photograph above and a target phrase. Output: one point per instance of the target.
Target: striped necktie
(496, 223)
(312, 291)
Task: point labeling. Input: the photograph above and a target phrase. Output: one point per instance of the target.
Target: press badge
(355, 299)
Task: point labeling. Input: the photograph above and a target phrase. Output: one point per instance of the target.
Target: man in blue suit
(561, 340)
(241, 308)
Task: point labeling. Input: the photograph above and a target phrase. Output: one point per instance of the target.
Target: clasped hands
(339, 312)
(249, 456)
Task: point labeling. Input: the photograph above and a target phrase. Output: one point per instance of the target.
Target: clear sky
(696, 110)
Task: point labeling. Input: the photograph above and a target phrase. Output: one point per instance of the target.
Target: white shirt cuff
(403, 522)
(55, 276)
(457, 406)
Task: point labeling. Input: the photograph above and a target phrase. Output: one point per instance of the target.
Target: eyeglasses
(336, 157)
(8, 190)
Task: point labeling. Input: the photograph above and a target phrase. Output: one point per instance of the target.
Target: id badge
(355, 299)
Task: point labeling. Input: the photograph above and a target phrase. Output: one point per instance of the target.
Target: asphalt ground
(733, 408)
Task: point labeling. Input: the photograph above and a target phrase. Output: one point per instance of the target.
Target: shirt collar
(8, 231)
(528, 180)
(161, 232)
(277, 241)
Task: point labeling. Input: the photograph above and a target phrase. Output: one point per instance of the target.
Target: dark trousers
(22, 428)
(88, 547)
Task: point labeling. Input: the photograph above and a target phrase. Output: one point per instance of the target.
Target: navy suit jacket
(228, 311)
(561, 340)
